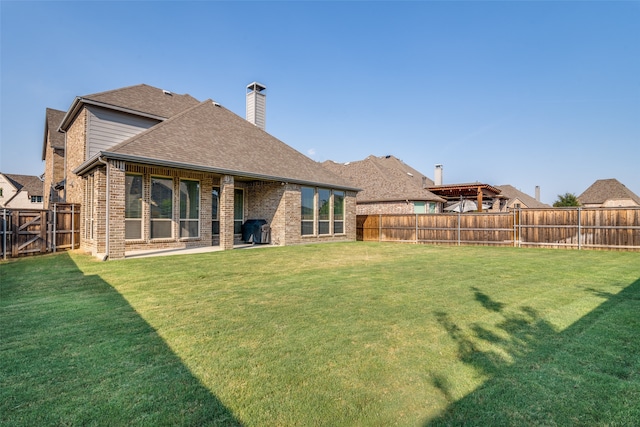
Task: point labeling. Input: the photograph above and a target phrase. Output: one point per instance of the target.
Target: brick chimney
(256, 104)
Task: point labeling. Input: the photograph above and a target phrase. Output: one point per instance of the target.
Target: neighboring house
(20, 191)
(471, 197)
(608, 193)
(53, 156)
(514, 198)
(388, 186)
(153, 170)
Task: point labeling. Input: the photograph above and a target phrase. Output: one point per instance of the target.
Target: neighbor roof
(607, 189)
(208, 137)
(511, 193)
(54, 137)
(31, 184)
(384, 179)
(140, 99)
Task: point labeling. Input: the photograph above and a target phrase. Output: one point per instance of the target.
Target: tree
(566, 199)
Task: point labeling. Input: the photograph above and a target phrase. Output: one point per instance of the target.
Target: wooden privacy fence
(34, 231)
(578, 228)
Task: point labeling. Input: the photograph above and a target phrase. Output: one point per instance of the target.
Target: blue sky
(517, 92)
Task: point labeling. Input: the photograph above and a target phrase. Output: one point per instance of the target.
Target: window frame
(141, 207)
(184, 220)
(160, 220)
(339, 221)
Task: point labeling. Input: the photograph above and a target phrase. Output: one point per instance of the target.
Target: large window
(338, 212)
(308, 210)
(133, 206)
(238, 210)
(189, 208)
(161, 208)
(324, 210)
(320, 207)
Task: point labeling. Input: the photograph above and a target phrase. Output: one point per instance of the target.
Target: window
(307, 210)
(431, 207)
(419, 207)
(338, 212)
(161, 208)
(1, 190)
(89, 204)
(36, 199)
(238, 210)
(133, 207)
(189, 208)
(215, 215)
(324, 210)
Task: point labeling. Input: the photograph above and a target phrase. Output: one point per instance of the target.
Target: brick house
(608, 193)
(155, 170)
(389, 186)
(20, 191)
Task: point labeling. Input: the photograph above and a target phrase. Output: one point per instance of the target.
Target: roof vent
(409, 173)
(166, 92)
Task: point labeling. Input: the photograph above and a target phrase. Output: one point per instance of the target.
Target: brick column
(227, 187)
(116, 209)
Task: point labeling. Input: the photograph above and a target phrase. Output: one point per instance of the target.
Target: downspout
(106, 256)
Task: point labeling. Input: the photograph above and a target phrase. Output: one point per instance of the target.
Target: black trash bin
(252, 231)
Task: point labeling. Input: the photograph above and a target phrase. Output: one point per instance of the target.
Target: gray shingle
(384, 179)
(208, 136)
(607, 189)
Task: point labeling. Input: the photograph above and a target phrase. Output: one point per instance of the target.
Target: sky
(526, 93)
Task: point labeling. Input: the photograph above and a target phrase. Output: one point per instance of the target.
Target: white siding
(106, 128)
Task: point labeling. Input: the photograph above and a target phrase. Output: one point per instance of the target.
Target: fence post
(416, 228)
(459, 226)
(55, 228)
(579, 228)
(4, 234)
(380, 228)
(73, 229)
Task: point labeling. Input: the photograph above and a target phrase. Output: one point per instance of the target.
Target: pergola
(466, 191)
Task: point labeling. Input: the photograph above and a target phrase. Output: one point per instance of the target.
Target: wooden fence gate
(34, 231)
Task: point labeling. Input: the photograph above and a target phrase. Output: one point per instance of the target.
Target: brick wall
(75, 156)
(385, 208)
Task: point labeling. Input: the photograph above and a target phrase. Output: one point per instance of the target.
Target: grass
(333, 334)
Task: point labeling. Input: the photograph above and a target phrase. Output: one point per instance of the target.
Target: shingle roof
(607, 189)
(145, 99)
(52, 122)
(31, 184)
(384, 179)
(511, 193)
(210, 137)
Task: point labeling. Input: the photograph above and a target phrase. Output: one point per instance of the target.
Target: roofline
(79, 101)
(93, 162)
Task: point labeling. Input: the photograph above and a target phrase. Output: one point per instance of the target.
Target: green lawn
(355, 334)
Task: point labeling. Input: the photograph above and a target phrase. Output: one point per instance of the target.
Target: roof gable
(145, 99)
(53, 137)
(30, 183)
(384, 179)
(606, 189)
(513, 194)
(210, 137)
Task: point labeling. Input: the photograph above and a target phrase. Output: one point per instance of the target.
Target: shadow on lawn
(76, 353)
(587, 374)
